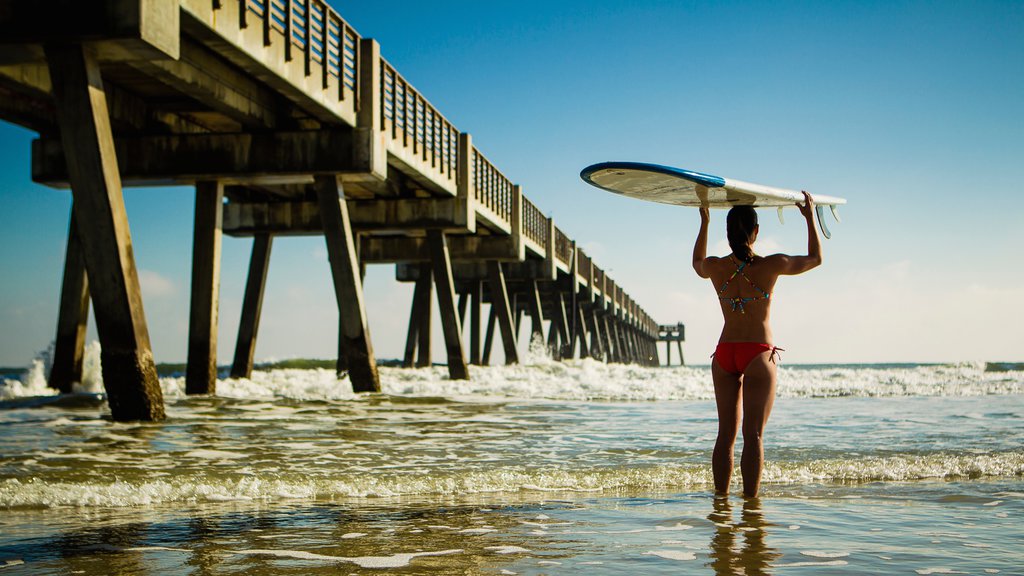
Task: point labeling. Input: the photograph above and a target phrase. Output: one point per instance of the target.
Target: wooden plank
(442, 265)
(201, 370)
(69, 347)
(348, 286)
(500, 302)
(252, 305)
(129, 373)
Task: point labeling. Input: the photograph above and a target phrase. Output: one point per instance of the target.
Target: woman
(744, 362)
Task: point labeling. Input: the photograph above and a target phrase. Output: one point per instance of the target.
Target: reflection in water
(753, 557)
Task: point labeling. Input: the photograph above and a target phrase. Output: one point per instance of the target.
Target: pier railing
(535, 227)
(314, 30)
(416, 133)
(493, 192)
(563, 249)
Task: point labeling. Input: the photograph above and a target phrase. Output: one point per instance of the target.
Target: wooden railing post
(464, 182)
(370, 149)
(517, 222)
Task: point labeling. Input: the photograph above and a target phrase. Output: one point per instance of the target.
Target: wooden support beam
(566, 350)
(582, 331)
(299, 218)
(348, 286)
(381, 250)
(475, 305)
(463, 303)
(489, 336)
(441, 260)
(129, 373)
(115, 29)
(500, 301)
(536, 310)
(252, 305)
(274, 157)
(597, 349)
(620, 353)
(553, 344)
(424, 358)
(420, 302)
(73, 319)
(212, 81)
(201, 370)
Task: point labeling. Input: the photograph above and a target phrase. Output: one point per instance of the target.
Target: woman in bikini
(744, 362)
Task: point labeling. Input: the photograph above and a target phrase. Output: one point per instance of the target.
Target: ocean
(540, 468)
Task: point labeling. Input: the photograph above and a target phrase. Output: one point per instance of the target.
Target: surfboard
(668, 185)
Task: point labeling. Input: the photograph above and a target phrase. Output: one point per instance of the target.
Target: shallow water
(541, 468)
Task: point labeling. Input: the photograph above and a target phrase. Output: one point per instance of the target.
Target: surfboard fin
(781, 219)
(821, 221)
(835, 213)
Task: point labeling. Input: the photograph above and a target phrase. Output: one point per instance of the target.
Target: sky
(913, 111)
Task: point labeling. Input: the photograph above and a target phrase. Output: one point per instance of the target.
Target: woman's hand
(705, 213)
(807, 208)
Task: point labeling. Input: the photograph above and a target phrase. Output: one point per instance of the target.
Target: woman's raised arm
(800, 264)
(700, 248)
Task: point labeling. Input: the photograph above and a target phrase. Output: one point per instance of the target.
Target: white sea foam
(672, 554)
(393, 561)
(539, 377)
(275, 486)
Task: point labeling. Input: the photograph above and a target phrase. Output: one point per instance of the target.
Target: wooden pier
(287, 122)
(669, 333)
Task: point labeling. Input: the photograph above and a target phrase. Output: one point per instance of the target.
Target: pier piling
(252, 306)
(129, 372)
(201, 371)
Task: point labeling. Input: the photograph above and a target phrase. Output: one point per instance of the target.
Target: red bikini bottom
(734, 357)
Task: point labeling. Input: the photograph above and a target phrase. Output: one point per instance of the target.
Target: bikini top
(737, 302)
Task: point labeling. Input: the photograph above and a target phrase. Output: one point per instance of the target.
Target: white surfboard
(657, 183)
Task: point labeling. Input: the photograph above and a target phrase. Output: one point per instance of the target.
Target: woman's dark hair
(740, 224)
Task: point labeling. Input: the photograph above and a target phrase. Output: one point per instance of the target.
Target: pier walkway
(287, 122)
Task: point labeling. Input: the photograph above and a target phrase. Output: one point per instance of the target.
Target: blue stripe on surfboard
(696, 177)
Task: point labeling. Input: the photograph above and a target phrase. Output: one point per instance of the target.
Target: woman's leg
(727, 397)
(758, 398)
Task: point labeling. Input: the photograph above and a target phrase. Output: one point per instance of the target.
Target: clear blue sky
(914, 111)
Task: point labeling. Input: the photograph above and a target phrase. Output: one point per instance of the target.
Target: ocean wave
(15, 493)
(539, 377)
